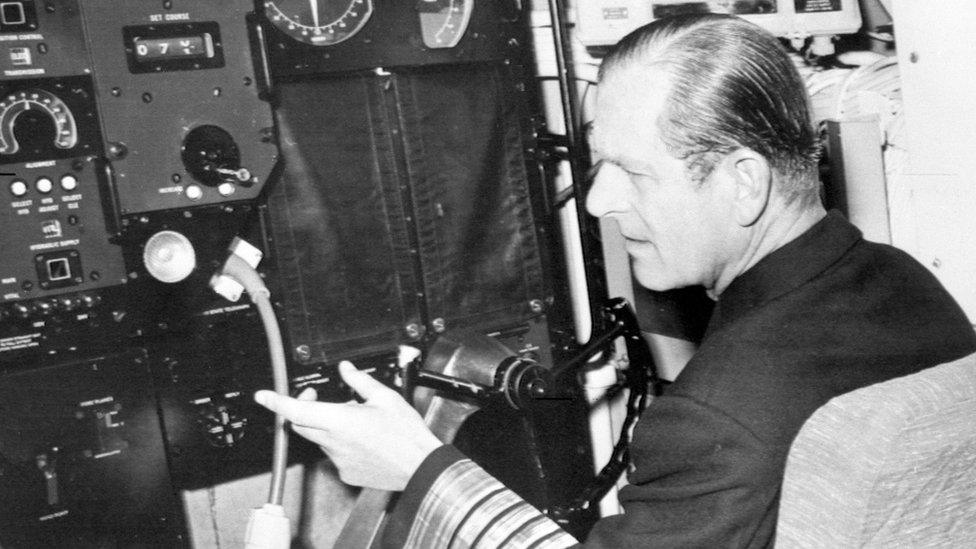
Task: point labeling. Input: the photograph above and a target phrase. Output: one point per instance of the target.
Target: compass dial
(319, 22)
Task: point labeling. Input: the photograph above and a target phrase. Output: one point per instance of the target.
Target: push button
(12, 13)
(69, 182)
(44, 185)
(18, 187)
(18, 16)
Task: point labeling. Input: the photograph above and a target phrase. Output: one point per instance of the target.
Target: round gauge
(319, 22)
(443, 22)
(36, 101)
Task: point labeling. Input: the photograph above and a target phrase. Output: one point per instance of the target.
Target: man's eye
(636, 175)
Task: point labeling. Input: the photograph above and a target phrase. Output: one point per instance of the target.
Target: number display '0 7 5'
(174, 47)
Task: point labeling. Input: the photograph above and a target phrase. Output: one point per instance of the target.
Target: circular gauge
(443, 22)
(36, 100)
(319, 22)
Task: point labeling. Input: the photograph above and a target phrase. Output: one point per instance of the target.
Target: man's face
(677, 230)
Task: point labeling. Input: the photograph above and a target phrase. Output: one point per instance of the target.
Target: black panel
(81, 457)
(338, 221)
(206, 373)
(149, 110)
(479, 253)
(405, 202)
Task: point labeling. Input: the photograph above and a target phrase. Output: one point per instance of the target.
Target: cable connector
(228, 286)
(268, 528)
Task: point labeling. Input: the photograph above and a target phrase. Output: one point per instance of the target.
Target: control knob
(223, 425)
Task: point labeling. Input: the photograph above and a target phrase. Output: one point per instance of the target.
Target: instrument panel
(58, 257)
(327, 22)
(307, 37)
(334, 135)
(182, 120)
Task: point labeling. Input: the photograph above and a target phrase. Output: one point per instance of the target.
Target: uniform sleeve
(700, 480)
(451, 502)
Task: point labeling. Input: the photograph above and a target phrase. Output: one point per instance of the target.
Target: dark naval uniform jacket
(823, 315)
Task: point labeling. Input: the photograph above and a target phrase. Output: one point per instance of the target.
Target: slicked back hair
(732, 86)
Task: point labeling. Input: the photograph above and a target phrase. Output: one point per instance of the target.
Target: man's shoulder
(873, 315)
(871, 290)
(879, 259)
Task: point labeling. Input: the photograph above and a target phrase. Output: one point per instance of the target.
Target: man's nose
(606, 194)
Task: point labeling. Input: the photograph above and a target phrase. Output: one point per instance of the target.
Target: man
(708, 161)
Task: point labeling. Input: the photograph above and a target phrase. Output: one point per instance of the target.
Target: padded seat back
(889, 465)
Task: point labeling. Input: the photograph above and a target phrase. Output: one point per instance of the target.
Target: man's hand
(379, 443)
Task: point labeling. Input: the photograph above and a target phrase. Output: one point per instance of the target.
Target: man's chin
(656, 281)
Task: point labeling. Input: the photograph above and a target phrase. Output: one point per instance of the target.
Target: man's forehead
(624, 125)
(629, 93)
(635, 76)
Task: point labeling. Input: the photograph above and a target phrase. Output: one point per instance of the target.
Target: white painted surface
(316, 501)
(933, 203)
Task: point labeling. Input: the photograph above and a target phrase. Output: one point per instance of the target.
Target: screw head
(303, 353)
(412, 331)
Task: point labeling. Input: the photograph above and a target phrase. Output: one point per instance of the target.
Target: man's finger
(299, 412)
(360, 381)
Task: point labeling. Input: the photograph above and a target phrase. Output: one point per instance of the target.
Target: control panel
(81, 457)
(110, 111)
(52, 210)
(183, 123)
(58, 254)
(120, 120)
(380, 154)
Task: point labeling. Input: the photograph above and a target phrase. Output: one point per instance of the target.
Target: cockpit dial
(319, 22)
(35, 100)
(444, 22)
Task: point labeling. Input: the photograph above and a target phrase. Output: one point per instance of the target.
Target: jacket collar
(785, 269)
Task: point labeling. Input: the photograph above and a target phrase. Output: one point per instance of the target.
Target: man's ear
(752, 181)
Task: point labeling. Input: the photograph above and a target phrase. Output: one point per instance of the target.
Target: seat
(889, 465)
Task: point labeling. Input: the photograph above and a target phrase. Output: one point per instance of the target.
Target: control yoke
(484, 369)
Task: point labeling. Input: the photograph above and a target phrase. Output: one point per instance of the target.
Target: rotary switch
(222, 423)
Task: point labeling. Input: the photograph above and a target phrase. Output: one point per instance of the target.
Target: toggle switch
(241, 174)
(47, 463)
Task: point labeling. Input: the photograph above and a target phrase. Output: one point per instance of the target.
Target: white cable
(268, 526)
